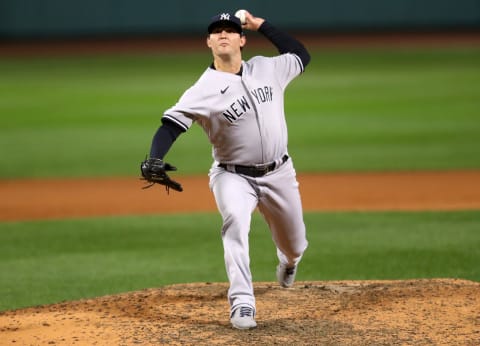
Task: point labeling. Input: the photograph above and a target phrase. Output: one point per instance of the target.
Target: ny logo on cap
(225, 16)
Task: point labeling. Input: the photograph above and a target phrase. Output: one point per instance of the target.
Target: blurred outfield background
(363, 107)
(359, 107)
(57, 18)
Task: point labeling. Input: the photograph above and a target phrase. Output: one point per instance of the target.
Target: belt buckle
(264, 168)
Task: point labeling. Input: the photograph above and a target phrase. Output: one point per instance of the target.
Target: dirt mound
(411, 312)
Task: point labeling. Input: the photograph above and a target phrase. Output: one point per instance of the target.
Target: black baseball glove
(154, 171)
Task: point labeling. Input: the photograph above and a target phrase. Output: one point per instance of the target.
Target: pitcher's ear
(243, 41)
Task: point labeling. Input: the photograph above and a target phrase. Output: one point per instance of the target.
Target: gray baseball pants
(278, 199)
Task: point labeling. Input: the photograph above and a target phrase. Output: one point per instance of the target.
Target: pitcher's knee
(294, 252)
(235, 226)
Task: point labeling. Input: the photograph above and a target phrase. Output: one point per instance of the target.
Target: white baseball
(240, 14)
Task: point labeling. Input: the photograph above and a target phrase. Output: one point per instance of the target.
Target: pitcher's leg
(236, 201)
(281, 206)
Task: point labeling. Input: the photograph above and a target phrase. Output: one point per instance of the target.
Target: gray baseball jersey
(243, 116)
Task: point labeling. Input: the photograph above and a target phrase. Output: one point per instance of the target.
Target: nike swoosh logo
(225, 90)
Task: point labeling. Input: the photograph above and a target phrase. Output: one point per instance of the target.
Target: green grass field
(378, 110)
(48, 261)
(351, 111)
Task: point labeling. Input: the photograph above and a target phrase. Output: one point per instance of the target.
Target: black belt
(254, 171)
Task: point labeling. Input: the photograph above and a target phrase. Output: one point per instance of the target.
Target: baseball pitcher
(240, 105)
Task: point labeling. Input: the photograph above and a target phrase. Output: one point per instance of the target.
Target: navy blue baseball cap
(225, 19)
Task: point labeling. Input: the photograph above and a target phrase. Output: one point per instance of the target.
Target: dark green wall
(67, 18)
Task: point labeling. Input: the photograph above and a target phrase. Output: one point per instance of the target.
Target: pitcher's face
(225, 41)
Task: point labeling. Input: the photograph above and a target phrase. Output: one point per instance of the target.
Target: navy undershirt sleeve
(284, 42)
(163, 139)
